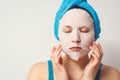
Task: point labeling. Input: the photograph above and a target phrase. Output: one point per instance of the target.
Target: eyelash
(84, 31)
(67, 30)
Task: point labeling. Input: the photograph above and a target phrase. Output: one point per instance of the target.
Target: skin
(39, 71)
(76, 33)
(65, 68)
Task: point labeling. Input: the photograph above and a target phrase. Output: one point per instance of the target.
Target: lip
(75, 48)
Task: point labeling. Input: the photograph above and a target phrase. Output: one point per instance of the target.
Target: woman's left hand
(94, 63)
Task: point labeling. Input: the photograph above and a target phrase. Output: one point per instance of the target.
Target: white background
(26, 34)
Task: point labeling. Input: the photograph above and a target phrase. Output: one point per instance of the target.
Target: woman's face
(76, 33)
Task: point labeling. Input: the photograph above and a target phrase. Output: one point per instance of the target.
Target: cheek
(65, 40)
(64, 37)
(87, 39)
(64, 43)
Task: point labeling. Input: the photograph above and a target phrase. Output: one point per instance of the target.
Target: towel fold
(68, 4)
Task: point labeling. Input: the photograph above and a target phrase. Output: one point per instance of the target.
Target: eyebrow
(87, 26)
(67, 26)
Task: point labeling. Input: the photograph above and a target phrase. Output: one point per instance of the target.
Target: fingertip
(99, 44)
(60, 47)
(90, 47)
(53, 48)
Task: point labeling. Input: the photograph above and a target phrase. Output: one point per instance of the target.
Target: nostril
(76, 41)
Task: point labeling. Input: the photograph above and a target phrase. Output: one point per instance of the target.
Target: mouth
(75, 48)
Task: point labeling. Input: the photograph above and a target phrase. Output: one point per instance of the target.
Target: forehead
(76, 17)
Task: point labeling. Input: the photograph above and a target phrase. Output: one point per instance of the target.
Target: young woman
(76, 27)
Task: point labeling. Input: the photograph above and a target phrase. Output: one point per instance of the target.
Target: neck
(75, 67)
(81, 63)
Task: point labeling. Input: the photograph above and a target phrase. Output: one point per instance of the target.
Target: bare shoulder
(109, 73)
(38, 71)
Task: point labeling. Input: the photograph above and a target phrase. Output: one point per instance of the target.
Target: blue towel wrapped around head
(68, 4)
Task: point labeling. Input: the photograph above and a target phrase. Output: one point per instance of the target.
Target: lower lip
(75, 49)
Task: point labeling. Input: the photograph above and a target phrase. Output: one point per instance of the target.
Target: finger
(96, 50)
(100, 48)
(95, 58)
(100, 53)
(58, 55)
(91, 58)
(52, 52)
(60, 59)
(58, 50)
(95, 47)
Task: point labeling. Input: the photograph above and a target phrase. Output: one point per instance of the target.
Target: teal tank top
(51, 75)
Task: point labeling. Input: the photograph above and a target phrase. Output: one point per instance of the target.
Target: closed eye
(67, 29)
(84, 29)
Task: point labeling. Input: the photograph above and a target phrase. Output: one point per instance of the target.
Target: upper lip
(75, 47)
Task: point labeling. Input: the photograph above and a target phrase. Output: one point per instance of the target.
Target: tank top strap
(50, 70)
(98, 73)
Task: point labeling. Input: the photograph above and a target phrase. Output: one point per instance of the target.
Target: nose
(76, 37)
(76, 41)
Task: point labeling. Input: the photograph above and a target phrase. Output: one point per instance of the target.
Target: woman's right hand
(58, 67)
